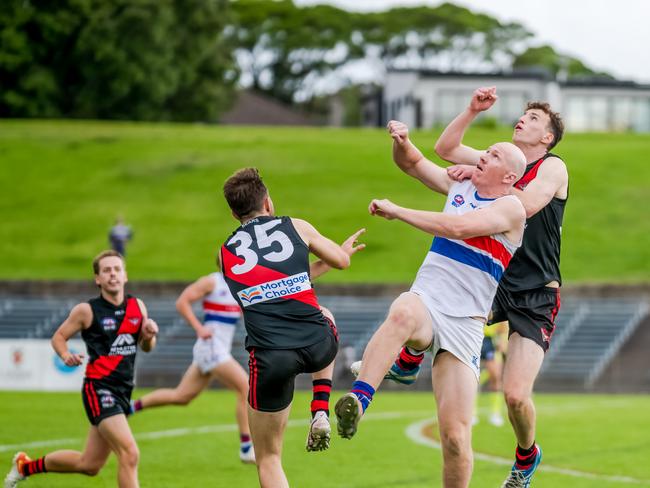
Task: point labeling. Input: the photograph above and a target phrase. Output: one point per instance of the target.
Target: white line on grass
(416, 434)
(205, 429)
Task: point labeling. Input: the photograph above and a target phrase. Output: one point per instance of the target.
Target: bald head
(513, 157)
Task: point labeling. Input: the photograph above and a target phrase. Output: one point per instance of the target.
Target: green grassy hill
(63, 183)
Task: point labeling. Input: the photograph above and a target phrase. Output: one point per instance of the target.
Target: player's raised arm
(411, 160)
(329, 251)
(504, 216)
(192, 293)
(449, 145)
(551, 176)
(350, 246)
(148, 331)
(80, 318)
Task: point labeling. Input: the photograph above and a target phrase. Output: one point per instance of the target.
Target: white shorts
(461, 336)
(210, 353)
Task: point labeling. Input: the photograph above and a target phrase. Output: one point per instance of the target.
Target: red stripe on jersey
(218, 307)
(102, 367)
(530, 175)
(497, 250)
(132, 318)
(261, 274)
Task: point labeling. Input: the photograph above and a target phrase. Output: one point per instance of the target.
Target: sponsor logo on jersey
(134, 320)
(472, 205)
(249, 295)
(119, 312)
(282, 288)
(458, 200)
(123, 345)
(109, 323)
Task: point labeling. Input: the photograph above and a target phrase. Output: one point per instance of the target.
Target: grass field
(63, 183)
(588, 441)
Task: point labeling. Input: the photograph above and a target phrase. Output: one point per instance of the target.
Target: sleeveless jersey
(112, 341)
(461, 275)
(219, 306)
(537, 261)
(266, 265)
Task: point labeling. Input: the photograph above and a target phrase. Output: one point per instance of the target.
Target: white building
(426, 99)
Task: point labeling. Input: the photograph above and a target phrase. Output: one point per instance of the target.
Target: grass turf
(594, 434)
(65, 181)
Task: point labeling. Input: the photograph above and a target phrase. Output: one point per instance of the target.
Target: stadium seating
(589, 333)
(591, 336)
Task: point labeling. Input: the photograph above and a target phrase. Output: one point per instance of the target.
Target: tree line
(182, 59)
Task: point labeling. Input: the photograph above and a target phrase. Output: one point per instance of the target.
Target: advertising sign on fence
(32, 364)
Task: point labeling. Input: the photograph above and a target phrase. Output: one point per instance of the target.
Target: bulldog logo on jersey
(458, 200)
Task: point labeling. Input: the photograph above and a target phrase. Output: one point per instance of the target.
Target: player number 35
(264, 240)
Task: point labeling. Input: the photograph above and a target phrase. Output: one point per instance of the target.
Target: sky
(607, 35)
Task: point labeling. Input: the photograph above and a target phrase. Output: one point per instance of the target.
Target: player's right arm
(80, 318)
(411, 160)
(449, 145)
(329, 251)
(196, 291)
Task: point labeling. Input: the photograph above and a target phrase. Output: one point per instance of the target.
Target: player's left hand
(461, 172)
(149, 329)
(383, 208)
(350, 245)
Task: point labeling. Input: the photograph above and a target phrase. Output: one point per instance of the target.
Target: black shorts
(530, 313)
(487, 349)
(102, 401)
(272, 372)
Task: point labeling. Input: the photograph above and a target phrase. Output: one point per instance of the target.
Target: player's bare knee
(515, 399)
(455, 440)
(92, 469)
(402, 320)
(129, 455)
(184, 398)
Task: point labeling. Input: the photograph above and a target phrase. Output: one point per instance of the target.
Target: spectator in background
(119, 235)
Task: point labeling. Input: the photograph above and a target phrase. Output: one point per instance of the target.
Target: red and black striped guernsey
(112, 341)
(266, 266)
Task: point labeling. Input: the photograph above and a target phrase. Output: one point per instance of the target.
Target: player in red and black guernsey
(266, 266)
(112, 326)
(528, 296)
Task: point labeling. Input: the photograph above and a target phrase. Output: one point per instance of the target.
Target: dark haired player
(266, 265)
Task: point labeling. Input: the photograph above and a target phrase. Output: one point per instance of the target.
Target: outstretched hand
(483, 98)
(350, 245)
(383, 208)
(461, 172)
(399, 131)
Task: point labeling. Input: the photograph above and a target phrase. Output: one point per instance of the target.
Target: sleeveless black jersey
(537, 261)
(112, 341)
(266, 266)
